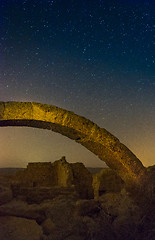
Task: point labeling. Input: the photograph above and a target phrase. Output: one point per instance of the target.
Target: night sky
(93, 57)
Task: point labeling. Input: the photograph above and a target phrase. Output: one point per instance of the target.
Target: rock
(151, 173)
(23, 210)
(13, 228)
(106, 181)
(5, 194)
(40, 194)
(78, 220)
(87, 207)
(60, 210)
(62, 206)
(124, 212)
(98, 228)
(124, 227)
(48, 226)
(119, 204)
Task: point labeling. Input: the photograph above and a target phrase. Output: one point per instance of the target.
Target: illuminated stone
(98, 140)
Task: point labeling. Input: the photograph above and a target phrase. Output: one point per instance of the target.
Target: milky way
(93, 57)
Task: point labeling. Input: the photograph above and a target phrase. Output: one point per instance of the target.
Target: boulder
(98, 228)
(124, 212)
(87, 207)
(15, 228)
(60, 215)
(23, 210)
(48, 226)
(75, 219)
(60, 210)
(125, 227)
(120, 204)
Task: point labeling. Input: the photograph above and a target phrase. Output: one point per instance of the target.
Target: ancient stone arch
(98, 140)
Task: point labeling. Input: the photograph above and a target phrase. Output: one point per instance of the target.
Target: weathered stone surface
(87, 207)
(98, 228)
(39, 174)
(106, 181)
(13, 228)
(48, 226)
(5, 194)
(21, 209)
(151, 173)
(79, 220)
(120, 204)
(60, 210)
(107, 147)
(39, 194)
(125, 214)
(63, 172)
(146, 226)
(41, 181)
(113, 216)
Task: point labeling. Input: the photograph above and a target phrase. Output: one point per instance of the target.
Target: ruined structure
(106, 181)
(98, 140)
(46, 180)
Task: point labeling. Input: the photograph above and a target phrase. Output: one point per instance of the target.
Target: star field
(93, 57)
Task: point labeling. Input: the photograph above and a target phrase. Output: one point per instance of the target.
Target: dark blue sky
(93, 57)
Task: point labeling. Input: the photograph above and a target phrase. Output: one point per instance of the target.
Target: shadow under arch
(98, 140)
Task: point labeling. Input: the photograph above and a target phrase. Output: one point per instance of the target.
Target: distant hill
(9, 171)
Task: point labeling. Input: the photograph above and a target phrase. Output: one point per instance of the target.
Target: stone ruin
(97, 140)
(44, 180)
(68, 188)
(106, 181)
(56, 201)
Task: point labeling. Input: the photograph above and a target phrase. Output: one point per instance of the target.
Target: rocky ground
(66, 213)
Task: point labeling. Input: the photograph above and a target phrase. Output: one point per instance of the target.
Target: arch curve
(98, 140)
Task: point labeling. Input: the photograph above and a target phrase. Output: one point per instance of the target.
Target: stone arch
(98, 140)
